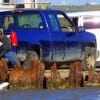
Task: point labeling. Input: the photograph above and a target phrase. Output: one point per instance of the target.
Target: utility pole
(30, 3)
(33, 2)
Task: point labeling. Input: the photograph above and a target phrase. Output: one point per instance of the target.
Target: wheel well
(89, 55)
(35, 48)
(90, 45)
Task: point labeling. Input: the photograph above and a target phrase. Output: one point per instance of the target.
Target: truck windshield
(60, 23)
(21, 21)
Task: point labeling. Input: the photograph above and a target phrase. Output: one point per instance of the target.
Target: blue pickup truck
(50, 34)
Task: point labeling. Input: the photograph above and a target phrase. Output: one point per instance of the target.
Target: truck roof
(28, 10)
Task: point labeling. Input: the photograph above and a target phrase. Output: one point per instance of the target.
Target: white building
(7, 4)
(30, 4)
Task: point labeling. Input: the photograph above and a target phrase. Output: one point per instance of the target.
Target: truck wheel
(30, 55)
(89, 59)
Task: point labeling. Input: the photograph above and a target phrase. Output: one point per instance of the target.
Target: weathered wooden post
(3, 70)
(75, 75)
(55, 79)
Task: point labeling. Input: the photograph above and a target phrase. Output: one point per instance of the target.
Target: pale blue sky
(72, 2)
(67, 2)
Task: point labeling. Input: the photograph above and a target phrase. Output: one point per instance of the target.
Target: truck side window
(8, 22)
(23, 21)
(65, 24)
(30, 21)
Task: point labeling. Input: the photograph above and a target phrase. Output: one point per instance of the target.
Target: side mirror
(81, 29)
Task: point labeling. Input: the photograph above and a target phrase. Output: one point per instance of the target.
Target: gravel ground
(65, 94)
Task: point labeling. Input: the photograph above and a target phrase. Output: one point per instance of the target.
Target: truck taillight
(13, 38)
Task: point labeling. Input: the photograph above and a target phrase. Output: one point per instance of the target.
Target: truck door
(73, 45)
(65, 41)
(57, 37)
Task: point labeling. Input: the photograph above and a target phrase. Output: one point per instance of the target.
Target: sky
(72, 2)
(66, 2)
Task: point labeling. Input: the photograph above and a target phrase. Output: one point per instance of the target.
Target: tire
(30, 55)
(89, 58)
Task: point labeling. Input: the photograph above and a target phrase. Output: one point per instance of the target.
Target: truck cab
(50, 34)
